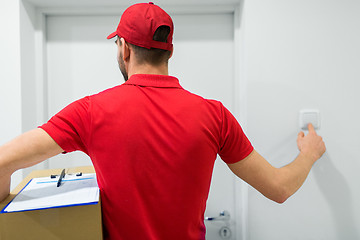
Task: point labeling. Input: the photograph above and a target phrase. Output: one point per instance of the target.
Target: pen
(62, 175)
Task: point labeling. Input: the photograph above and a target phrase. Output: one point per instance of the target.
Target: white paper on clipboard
(43, 193)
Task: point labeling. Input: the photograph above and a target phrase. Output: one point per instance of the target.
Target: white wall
(305, 54)
(28, 65)
(32, 79)
(20, 75)
(10, 77)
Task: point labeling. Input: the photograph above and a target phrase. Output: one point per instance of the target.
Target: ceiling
(53, 6)
(122, 3)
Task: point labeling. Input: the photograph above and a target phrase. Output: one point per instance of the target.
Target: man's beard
(122, 68)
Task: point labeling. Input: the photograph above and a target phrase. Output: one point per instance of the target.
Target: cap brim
(112, 35)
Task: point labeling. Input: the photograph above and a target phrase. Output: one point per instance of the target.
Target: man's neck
(148, 69)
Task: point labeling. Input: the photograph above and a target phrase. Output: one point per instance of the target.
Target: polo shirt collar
(150, 80)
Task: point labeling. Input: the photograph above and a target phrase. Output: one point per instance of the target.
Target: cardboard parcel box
(81, 221)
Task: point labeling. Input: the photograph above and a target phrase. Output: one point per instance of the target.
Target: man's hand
(311, 145)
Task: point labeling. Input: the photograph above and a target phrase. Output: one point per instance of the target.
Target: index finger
(311, 128)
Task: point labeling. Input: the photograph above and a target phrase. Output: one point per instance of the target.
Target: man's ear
(125, 49)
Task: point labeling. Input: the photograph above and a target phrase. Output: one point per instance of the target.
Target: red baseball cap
(139, 23)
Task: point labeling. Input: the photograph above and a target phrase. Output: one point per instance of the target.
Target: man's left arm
(24, 151)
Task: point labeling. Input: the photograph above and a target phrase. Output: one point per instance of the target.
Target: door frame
(33, 21)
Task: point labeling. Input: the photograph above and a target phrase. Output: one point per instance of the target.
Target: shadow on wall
(336, 191)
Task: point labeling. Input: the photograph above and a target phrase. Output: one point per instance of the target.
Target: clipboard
(43, 193)
(68, 222)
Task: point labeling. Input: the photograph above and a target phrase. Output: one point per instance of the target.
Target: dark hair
(154, 56)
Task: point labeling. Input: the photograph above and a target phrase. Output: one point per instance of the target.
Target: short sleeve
(234, 145)
(70, 127)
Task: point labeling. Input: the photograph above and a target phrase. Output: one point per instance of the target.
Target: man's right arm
(24, 151)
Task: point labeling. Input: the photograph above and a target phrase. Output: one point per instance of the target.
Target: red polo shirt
(153, 145)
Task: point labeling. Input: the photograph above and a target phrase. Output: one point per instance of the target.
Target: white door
(82, 62)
